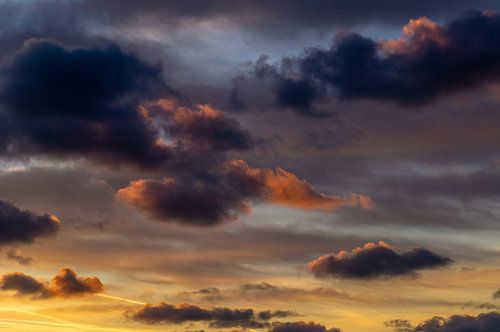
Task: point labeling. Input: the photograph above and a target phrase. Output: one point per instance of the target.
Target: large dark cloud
(376, 261)
(65, 284)
(79, 102)
(429, 60)
(302, 327)
(86, 102)
(216, 317)
(24, 226)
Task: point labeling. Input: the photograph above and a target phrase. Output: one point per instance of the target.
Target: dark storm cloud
(65, 284)
(301, 327)
(428, 61)
(376, 261)
(216, 317)
(24, 226)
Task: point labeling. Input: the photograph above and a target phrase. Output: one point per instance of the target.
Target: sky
(271, 166)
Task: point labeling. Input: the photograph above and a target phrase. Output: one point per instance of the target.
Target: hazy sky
(274, 166)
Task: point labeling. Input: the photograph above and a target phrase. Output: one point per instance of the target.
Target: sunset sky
(271, 166)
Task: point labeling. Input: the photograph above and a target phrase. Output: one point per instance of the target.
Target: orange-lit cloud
(285, 188)
(229, 192)
(65, 284)
(417, 33)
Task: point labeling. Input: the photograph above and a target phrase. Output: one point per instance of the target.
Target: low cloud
(302, 327)
(65, 284)
(376, 260)
(218, 317)
(485, 322)
(228, 191)
(24, 226)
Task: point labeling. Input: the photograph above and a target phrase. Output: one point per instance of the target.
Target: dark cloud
(23, 285)
(91, 102)
(486, 322)
(216, 317)
(226, 192)
(80, 102)
(65, 284)
(24, 226)
(429, 60)
(301, 327)
(270, 314)
(496, 294)
(376, 261)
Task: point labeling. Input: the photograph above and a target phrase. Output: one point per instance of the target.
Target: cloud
(24, 226)
(400, 325)
(263, 292)
(301, 327)
(270, 19)
(270, 314)
(79, 102)
(205, 128)
(106, 105)
(65, 284)
(375, 260)
(428, 61)
(24, 285)
(218, 317)
(228, 192)
(485, 322)
(16, 255)
(496, 294)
